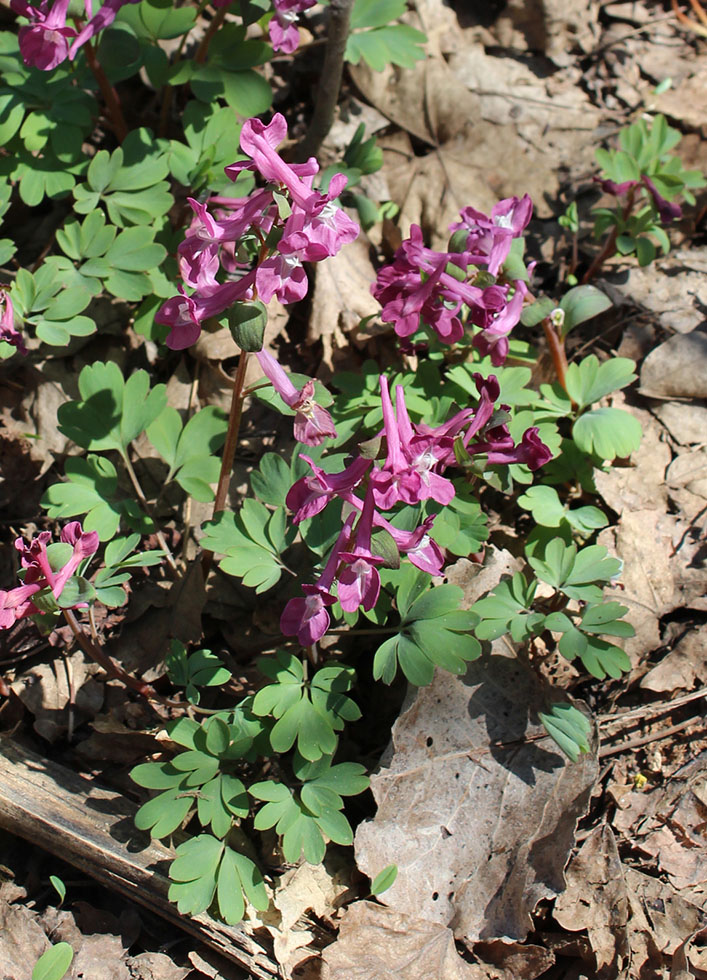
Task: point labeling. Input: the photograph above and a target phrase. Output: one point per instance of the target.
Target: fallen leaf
(596, 900)
(677, 368)
(671, 917)
(212, 965)
(478, 817)
(51, 690)
(342, 296)
(22, 941)
(641, 483)
(376, 943)
(514, 961)
(686, 423)
(643, 542)
(155, 966)
(684, 665)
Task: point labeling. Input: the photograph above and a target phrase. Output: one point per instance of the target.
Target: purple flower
(284, 36)
(307, 618)
(185, 314)
(44, 44)
(16, 604)
(668, 212)
(313, 424)
(359, 581)
(489, 239)
(47, 41)
(8, 331)
(310, 495)
(35, 561)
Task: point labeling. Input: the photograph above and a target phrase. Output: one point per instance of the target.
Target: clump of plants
(201, 222)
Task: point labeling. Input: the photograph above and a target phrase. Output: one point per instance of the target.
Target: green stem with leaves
(609, 248)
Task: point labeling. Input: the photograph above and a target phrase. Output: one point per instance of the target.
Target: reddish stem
(95, 653)
(216, 21)
(610, 245)
(557, 350)
(112, 101)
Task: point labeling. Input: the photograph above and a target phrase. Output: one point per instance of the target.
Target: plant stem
(94, 651)
(143, 500)
(229, 449)
(610, 245)
(216, 21)
(120, 127)
(557, 351)
(330, 78)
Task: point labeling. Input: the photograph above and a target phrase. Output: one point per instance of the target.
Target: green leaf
(588, 381)
(508, 607)
(163, 814)
(218, 736)
(601, 658)
(54, 963)
(582, 303)
(59, 887)
(607, 433)
(112, 412)
(384, 879)
(606, 618)
(392, 44)
(569, 728)
(197, 865)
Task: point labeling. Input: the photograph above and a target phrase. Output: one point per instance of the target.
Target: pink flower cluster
(450, 291)
(667, 211)
(294, 224)
(39, 575)
(47, 40)
(413, 471)
(8, 332)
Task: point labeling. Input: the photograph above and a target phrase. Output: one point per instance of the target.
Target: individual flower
(310, 494)
(284, 35)
(35, 560)
(359, 582)
(307, 618)
(44, 43)
(313, 424)
(668, 212)
(47, 40)
(16, 604)
(8, 332)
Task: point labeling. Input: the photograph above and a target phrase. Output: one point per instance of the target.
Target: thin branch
(330, 78)
(115, 112)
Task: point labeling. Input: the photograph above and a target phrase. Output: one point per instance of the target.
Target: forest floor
(514, 98)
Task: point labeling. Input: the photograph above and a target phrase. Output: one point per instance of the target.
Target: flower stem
(610, 245)
(229, 449)
(93, 650)
(330, 78)
(120, 127)
(216, 21)
(557, 351)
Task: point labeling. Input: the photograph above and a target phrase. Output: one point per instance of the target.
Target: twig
(330, 78)
(216, 21)
(229, 449)
(661, 708)
(610, 245)
(636, 743)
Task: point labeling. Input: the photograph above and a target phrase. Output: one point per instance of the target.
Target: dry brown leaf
(376, 943)
(212, 965)
(155, 966)
(306, 889)
(685, 664)
(643, 541)
(514, 961)
(555, 28)
(429, 101)
(671, 917)
(342, 296)
(480, 831)
(686, 423)
(46, 690)
(677, 368)
(641, 484)
(596, 900)
(672, 287)
(22, 941)
(682, 100)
